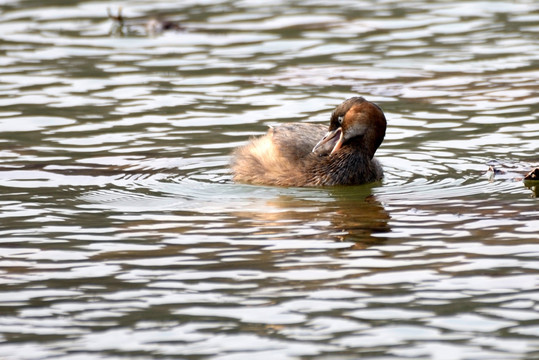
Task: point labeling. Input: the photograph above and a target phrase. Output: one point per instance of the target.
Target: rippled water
(122, 235)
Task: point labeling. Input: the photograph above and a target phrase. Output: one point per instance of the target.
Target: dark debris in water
(532, 175)
(531, 181)
(152, 26)
(515, 172)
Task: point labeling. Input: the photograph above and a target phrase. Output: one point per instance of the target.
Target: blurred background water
(122, 235)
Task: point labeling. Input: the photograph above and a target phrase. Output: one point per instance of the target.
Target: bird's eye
(339, 119)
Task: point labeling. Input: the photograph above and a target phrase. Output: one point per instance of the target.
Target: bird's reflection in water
(343, 214)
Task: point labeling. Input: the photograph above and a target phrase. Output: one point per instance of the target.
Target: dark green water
(122, 235)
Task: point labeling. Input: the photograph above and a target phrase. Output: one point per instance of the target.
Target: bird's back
(276, 158)
(297, 140)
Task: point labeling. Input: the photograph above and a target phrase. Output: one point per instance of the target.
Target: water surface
(122, 235)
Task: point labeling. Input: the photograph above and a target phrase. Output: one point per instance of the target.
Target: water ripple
(123, 234)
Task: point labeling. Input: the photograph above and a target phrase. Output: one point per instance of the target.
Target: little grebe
(299, 154)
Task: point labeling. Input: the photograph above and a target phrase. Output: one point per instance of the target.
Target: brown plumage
(299, 154)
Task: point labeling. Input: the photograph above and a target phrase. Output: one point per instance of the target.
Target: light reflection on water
(123, 235)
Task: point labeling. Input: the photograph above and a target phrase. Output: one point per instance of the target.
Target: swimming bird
(305, 154)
